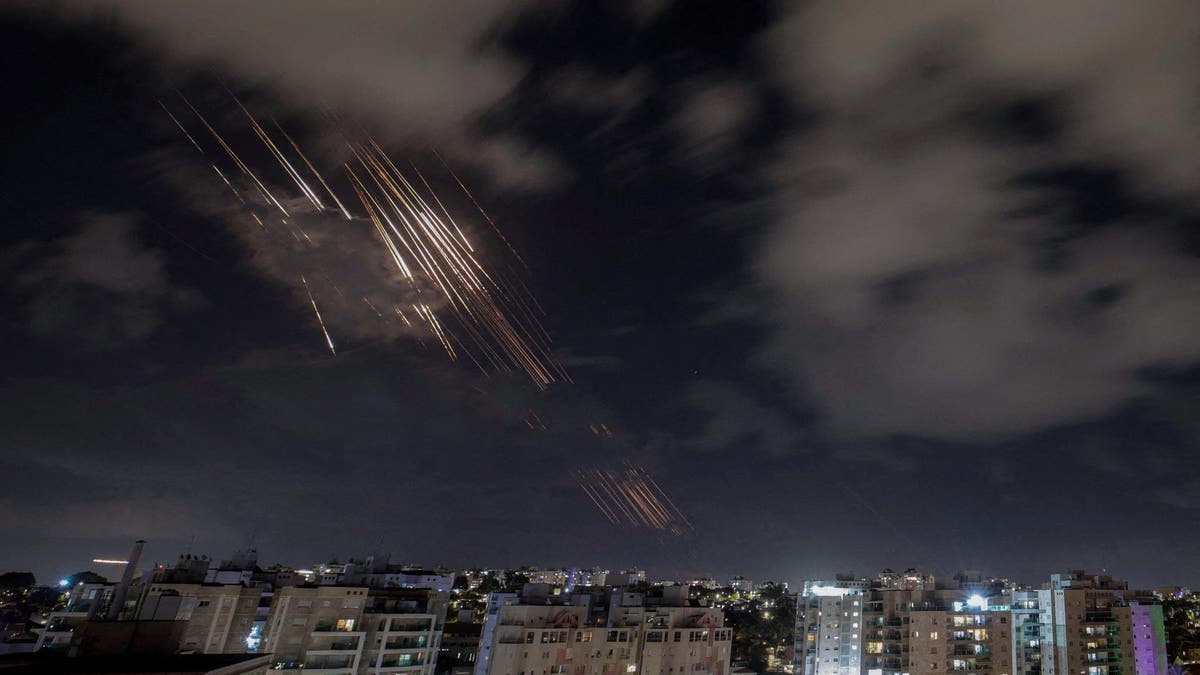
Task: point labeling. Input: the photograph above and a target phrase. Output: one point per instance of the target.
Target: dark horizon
(844, 289)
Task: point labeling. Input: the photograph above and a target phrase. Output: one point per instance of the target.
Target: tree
(515, 581)
(17, 582)
(490, 584)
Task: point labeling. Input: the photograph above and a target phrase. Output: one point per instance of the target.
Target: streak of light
(313, 169)
(233, 155)
(374, 308)
(483, 213)
(632, 497)
(600, 430)
(279, 156)
(181, 127)
(400, 313)
(534, 421)
(226, 180)
(472, 309)
(317, 312)
(106, 561)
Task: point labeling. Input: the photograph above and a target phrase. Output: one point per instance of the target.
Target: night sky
(862, 285)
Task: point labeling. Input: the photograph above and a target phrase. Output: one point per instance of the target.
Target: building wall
(339, 629)
(553, 639)
(220, 618)
(830, 632)
(1149, 639)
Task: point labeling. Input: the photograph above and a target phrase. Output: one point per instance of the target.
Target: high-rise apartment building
(1078, 624)
(829, 629)
(1095, 625)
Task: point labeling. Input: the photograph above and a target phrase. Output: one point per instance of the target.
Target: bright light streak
(313, 302)
(469, 307)
(105, 561)
(632, 497)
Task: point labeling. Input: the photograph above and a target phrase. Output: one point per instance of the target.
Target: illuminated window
(345, 625)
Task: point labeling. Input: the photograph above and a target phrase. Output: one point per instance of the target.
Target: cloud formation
(100, 284)
(923, 283)
(418, 73)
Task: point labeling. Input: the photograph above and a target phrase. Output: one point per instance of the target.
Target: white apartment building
(602, 633)
(829, 630)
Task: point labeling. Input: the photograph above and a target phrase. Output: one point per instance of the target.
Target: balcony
(411, 643)
(328, 664)
(328, 627)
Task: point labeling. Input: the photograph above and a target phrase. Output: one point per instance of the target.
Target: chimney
(118, 601)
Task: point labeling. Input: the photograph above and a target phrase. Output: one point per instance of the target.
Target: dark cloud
(736, 419)
(419, 74)
(910, 278)
(100, 285)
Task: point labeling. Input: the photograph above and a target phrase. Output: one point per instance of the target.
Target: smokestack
(118, 601)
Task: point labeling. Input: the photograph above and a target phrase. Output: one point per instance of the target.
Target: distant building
(377, 571)
(630, 577)
(741, 584)
(593, 576)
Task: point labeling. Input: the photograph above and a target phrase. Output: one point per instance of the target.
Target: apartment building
(1096, 625)
(828, 629)
(221, 618)
(602, 632)
(85, 602)
(924, 631)
(354, 629)
(1078, 624)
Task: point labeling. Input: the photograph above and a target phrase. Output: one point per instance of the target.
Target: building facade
(602, 632)
(1078, 624)
(348, 629)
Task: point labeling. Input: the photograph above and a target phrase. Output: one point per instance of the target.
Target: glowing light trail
(468, 307)
(632, 497)
(313, 302)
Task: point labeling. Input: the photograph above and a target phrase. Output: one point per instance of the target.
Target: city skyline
(764, 288)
